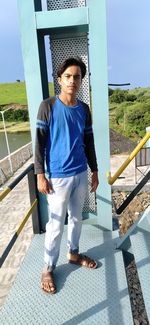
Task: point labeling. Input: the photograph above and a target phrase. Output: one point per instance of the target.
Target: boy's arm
(89, 142)
(90, 150)
(42, 128)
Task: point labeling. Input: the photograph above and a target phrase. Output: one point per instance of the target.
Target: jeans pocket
(56, 182)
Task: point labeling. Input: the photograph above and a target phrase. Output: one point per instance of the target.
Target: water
(15, 140)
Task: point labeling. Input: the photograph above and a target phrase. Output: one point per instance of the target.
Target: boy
(65, 141)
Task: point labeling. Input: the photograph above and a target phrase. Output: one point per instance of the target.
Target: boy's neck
(68, 100)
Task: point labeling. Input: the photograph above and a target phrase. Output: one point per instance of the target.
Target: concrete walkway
(12, 211)
(128, 179)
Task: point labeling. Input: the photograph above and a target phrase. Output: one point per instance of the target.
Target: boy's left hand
(95, 181)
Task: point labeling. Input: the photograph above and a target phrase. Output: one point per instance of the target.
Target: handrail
(112, 179)
(131, 196)
(4, 193)
(33, 208)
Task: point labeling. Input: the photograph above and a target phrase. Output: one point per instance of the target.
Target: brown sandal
(47, 282)
(83, 260)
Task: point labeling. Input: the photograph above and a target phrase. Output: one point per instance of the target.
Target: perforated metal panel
(64, 4)
(90, 200)
(60, 50)
(70, 47)
(62, 47)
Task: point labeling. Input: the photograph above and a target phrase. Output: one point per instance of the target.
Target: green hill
(130, 111)
(15, 93)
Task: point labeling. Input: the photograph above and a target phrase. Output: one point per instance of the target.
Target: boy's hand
(95, 181)
(43, 184)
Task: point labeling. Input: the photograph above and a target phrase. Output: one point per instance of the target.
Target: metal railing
(6, 137)
(132, 195)
(112, 179)
(29, 171)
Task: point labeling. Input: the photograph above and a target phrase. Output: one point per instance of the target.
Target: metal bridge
(75, 27)
(84, 296)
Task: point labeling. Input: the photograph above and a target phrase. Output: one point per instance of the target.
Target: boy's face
(70, 80)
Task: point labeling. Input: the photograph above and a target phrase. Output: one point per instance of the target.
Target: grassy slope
(13, 127)
(143, 99)
(15, 93)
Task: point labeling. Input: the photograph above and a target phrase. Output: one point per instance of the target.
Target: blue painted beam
(99, 87)
(38, 5)
(62, 18)
(32, 60)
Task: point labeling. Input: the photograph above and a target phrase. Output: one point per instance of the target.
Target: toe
(93, 265)
(47, 283)
(52, 289)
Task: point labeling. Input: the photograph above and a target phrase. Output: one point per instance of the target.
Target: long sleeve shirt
(64, 139)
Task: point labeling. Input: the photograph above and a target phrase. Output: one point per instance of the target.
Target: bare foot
(47, 282)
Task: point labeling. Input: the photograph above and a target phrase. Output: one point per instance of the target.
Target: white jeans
(68, 196)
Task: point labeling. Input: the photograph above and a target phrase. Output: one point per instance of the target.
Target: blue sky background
(128, 30)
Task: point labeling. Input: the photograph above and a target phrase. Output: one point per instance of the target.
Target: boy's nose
(72, 79)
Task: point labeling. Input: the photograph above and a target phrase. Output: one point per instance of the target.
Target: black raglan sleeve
(42, 131)
(89, 141)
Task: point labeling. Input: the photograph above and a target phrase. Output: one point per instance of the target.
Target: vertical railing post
(33, 196)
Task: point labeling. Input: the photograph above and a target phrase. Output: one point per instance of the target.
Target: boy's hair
(69, 62)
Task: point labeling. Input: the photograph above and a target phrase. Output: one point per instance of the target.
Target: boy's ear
(59, 80)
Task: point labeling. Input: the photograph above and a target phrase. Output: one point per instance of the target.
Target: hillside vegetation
(13, 96)
(129, 110)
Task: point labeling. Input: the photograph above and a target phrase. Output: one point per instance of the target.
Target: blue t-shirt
(65, 154)
(64, 138)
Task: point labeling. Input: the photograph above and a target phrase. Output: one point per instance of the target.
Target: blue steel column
(99, 85)
(31, 59)
(33, 53)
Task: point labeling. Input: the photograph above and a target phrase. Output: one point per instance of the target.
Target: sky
(128, 42)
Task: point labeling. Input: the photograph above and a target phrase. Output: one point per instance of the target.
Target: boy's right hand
(43, 184)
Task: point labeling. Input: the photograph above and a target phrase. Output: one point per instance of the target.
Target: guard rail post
(33, 196)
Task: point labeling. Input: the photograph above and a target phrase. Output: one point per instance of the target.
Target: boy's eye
(75, 77)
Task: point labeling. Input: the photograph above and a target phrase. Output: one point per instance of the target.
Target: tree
(118, 96)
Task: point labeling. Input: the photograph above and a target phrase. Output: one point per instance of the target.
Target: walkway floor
(83, 296)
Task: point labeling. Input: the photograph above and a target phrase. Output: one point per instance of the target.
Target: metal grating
(140, 243)
(61, 49)
(84, 296)
(64, 4)
(74, 46)
(90, 200)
